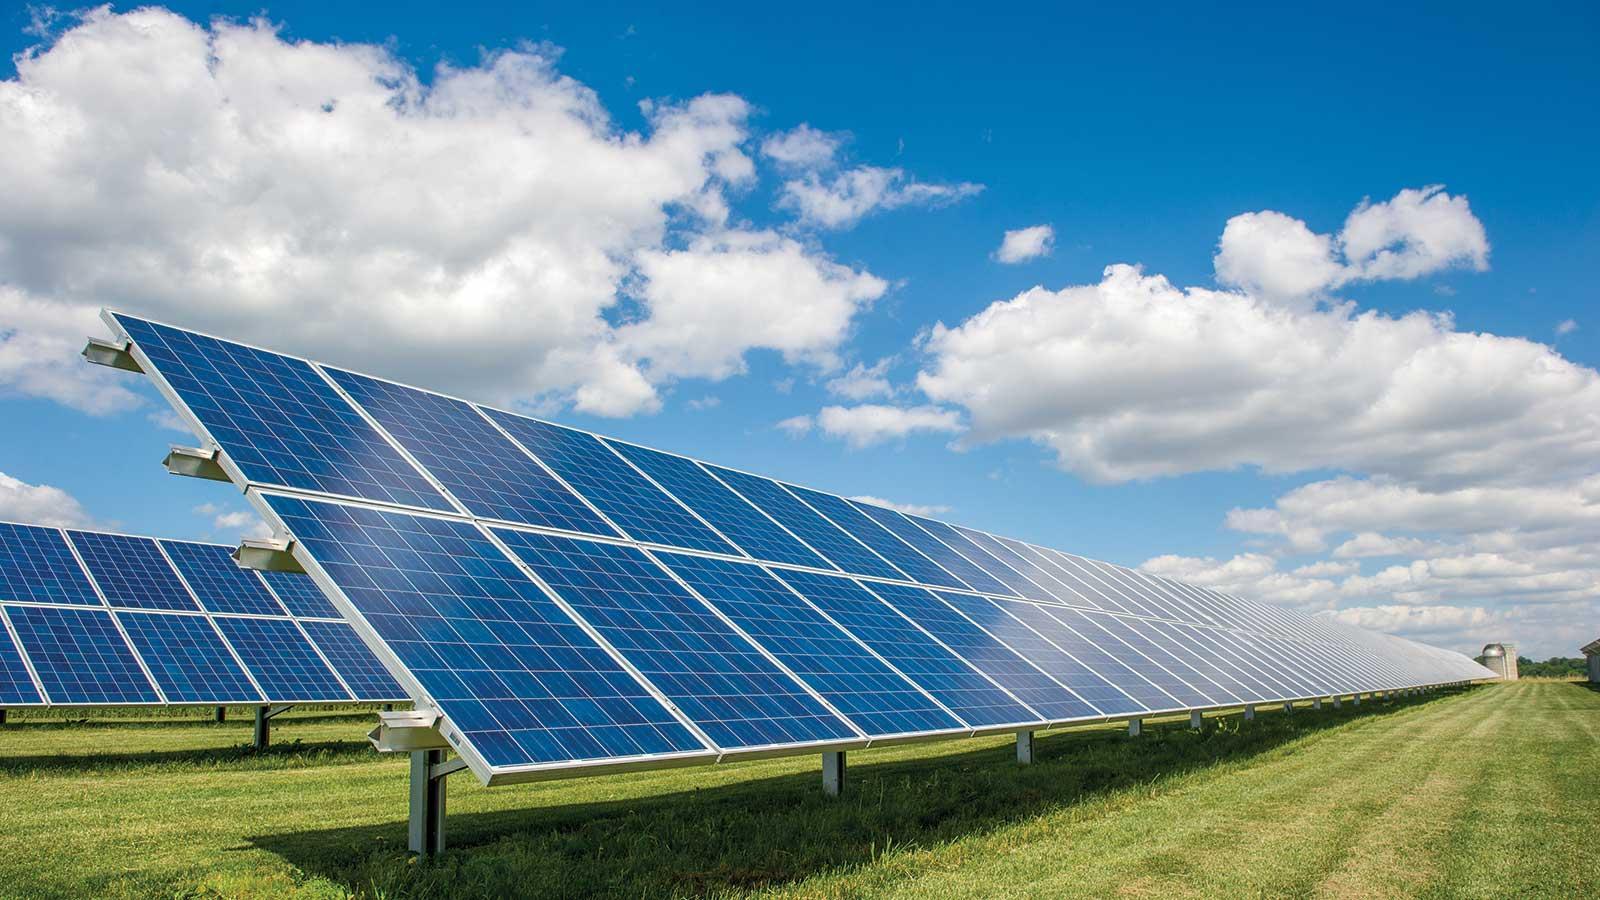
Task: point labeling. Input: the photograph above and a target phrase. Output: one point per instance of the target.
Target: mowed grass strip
(1484, 792)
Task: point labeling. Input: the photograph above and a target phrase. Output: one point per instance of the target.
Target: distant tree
(1554, 667)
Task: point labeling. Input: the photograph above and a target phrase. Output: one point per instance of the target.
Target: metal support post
(222, 714)
(1024, 748)
(1288, 706)
(1249, 711)
(1197, 721)
(1316, 703)
(1355, 699)
(1337, 702)
(832, 772)
(2, 716)
(427, 802)
(1135, 726)
(263, 728)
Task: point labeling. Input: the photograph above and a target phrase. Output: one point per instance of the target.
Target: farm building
(1591, 654)
(1502, 659)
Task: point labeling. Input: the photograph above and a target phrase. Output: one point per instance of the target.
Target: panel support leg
(1288, 706)
(1024, 748)
(427, 802)
(1337, 702)
(2, 716)
(1135, 726)
(1355, 699)
(832, 772)
(263, 728)
(1316, 703)
(1197, 721)
(222, 714)
(1249, 711)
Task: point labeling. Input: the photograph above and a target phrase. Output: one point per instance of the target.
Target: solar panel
(958, 540)
(36, 566)
(951, 680)
(720, 681)
(844, 551)
(217, 580)
(131, 572)
(282, 661)
(188, 659)
(521, 681)
(879, 700)
(1209, 675)
(1097, 655)
(1046, 586)
(300, 595)
(353, 661)
(281, 422)
(905, 558)
(1137, 653)
(16, 685)
(934, 549)
(80, 656)
(732, 515)
(474, 460)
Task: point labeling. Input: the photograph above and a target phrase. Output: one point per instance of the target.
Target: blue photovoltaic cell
(991, 616)
(219, 582)
(846, 552)
(477, 464)
(1045, 586)
(300, 595)
(16, 686)
(282, 660)
(931, 547)
(37, 566)
(80, 655)
(187, 659)
(604, 479)
(354, 661)
(513, 672)
(1109, 632)
(278, 420)
(1265, 679)
(737, 696)
(1023, 679)
(877, 699)
(728, 512)
(1052, 571)
(957, 685)
(902, 555)
(983, 559)
(1091, 653)
(131, 571)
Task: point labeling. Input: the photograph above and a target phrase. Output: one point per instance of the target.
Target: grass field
(1487, 792)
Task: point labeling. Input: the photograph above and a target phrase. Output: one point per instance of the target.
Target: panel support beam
(428, 772)
(105, 353)
(1135, 726)
(832, 772)
(1024, 748)
(194, 463)
(264, 716)
(268, 556)
(1197, 720)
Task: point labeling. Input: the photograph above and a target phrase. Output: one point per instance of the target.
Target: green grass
(1479, 793)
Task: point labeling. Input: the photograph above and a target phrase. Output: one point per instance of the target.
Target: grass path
(1485, 793)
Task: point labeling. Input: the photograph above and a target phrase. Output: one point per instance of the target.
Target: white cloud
(802, 147)
(1252, 575)
(699, 404)
(910, 509)
(1372, 544)
(40, 504)
(1024, 244)
(235, 523)
(1275, 255)
(844, 198)
(796, 426)
(1567, 326)
(874, 423)
(477, 228)
(864, 382)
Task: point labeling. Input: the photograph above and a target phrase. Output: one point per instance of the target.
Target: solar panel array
(96, 619)
(565, 600)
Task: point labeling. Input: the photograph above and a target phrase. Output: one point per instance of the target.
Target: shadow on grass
(769, 831)
(291, 753)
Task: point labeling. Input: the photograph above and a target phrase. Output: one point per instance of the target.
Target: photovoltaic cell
(16, 686)
(282, 660)
(188, 659)
(1074, 577)
(846, 552)
(715, 677)
(219, 582)
(728, 512)
(522, 681)
(354, 662)
(80, 655)
(983, 559)
(1112, 634)
(934, 549)
(615, 488)
(278, 420)
(1052, 572)
(300, 595)
(935, 669)
(1024, 680)
(1112, 596)
(876, 698)
(36, 566)
(477, 464)
(1092, 654)
(1206, 674)
(902, 555)
(1044, 586)
(131, 571)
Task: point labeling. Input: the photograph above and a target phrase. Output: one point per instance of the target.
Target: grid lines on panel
(1111, 633)
(1070, 575)
(80, 656)
(1205, 674)
(279, 422)
(1051, 571)
(927, 663)
(300, 595)
(522, 681)
(732, 692)
(731, 514)
(1107, 660)
(604, 479)
(281, 659)
(354, 661)
(220, 583)
(187, 658)
(918, 567)
(931, 547)
(16, 685)
(1009, 670)
(477, 464)
(1044, 586)
(37, 566)
(983, 559)
(843, 550)
(131, 571)
(873, 696)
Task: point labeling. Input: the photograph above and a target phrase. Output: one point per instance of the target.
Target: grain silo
(1591, 652)
(1502, 659)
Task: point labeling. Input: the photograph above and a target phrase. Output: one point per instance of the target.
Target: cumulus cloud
(874, 423)
(864, 382)
(40, 504)
(796, 426)
(910, 509)
(480, 229)
(802, 147)
(844, 198)
(1024, 244)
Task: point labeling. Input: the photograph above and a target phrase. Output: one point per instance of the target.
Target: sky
(1299, 306)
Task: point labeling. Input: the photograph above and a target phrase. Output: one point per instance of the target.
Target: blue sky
(1136, 137)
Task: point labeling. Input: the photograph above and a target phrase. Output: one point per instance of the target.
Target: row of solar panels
(92, 618)
(564, 599)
